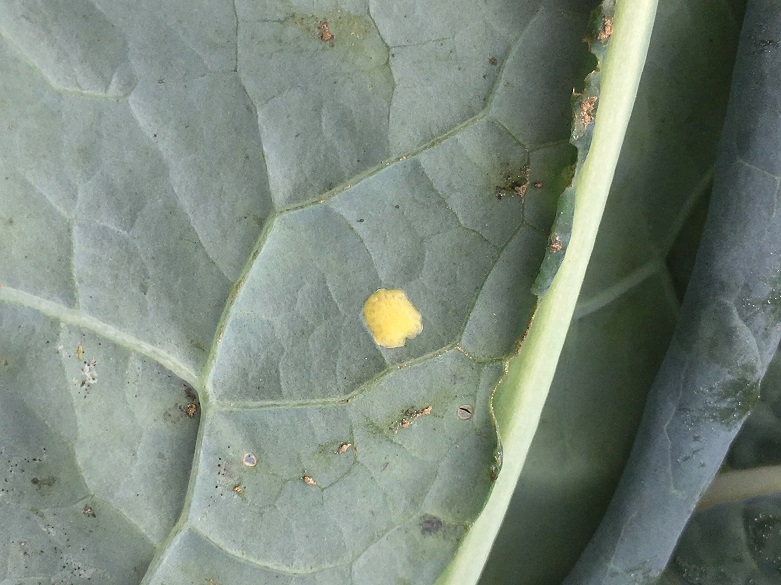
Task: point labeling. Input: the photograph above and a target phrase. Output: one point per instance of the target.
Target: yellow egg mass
(391, 317)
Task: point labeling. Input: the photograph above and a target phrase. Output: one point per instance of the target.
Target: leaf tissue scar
(391, 318)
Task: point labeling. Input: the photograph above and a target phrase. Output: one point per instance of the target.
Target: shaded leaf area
(221, 185)
(95, 448)
(668, 156)
(759, 439)
(726, 335)
(630, 334)
(649, 233)
(740, 541)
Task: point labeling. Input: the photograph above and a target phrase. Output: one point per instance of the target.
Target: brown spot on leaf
(325, 31)
(430, 524)
(606, 30)
(588, 109)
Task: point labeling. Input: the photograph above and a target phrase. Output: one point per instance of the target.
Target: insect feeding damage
(325, 31)
(554, 244)
(606, 30)
(89, 375)
(192, 406)
(410, 416)
(514, 184)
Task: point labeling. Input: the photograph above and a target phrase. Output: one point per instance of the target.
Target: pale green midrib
(76, 318)
(522, 394)
(741, 485)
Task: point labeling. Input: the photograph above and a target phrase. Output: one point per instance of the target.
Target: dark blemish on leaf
(555, 244)
(493, 61)
(88, 511)
(43, 481)
(190, 409)
(360, 221)
(430, 524)
(384, 466)
(173, 414)
(514, 184)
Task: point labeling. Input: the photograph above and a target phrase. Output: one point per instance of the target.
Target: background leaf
(628, 305)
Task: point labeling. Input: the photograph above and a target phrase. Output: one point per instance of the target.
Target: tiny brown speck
(238, 489)
(537, 184)
(555, 244)
(426, 410)
(493, 61)
(89, 512)
(325, 31)
(308, 480)
(343, 447)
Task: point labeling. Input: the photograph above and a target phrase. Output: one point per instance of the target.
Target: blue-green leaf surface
(196, 201)
(736, 538)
